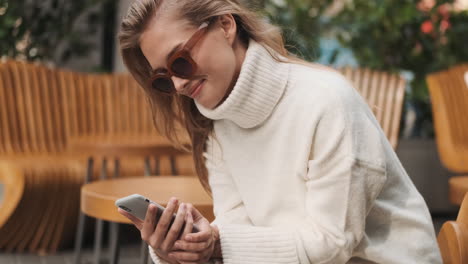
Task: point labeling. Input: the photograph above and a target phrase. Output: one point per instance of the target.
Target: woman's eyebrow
(174, 50)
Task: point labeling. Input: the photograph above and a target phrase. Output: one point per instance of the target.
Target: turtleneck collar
(259, 87)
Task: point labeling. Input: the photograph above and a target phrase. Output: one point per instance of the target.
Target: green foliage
(402, 35)
(34, 30)
(412, 35)
(301, 23)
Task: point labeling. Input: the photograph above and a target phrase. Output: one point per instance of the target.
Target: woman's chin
(206, 102)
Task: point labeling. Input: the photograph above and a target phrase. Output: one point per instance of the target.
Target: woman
(298, 167)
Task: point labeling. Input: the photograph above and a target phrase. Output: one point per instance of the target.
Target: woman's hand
(161, 237)
(196, 247)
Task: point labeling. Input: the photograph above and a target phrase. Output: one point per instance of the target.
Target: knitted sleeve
(346, 172)
(155, 258)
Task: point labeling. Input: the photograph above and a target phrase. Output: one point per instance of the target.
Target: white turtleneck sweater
(301, 172)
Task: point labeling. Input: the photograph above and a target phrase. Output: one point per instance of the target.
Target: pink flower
(444, 10)
(426, 5)
(444, 25)
(427, 27)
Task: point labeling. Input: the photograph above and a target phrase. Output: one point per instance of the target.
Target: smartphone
(137, 205)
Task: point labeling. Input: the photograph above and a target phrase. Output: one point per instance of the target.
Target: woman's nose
(180, 83)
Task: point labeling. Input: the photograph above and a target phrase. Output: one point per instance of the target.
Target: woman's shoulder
(316, 74)
(316, 83)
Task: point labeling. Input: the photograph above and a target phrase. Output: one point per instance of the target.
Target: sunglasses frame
(183, 53)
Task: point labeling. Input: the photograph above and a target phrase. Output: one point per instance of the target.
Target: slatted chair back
(42, 108)
(384, 93)
(135, 116)
(106, 104)
(453, 237)
(5, 133)
(449, 96)
(31, 110)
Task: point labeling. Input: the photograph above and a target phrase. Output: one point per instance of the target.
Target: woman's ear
(229, 26)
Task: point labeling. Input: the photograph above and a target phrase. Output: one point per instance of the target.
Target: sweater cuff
(247, 244)
(158, 260)
(155, 258)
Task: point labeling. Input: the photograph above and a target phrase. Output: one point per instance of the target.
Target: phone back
(135, 204)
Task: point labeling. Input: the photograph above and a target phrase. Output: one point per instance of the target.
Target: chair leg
(144, 253)
(114, 228)
(147, 167)
(82, 218)
(98, 240)
(99, 223)
(114, 243)
(149, 260)
(173, 165)
(79, 238)
(157, 165)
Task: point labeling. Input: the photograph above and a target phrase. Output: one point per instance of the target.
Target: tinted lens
(163, 85)
(182, 67)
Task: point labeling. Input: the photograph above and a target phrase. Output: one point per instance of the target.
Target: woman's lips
(197, 89)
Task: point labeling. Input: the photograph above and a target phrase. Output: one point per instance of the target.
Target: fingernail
(188, 238)
(177, 244)
(182, 206)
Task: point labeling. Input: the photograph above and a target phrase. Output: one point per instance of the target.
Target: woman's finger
(175, 229)
(149, 223)
(192, 247)
(198, 237)
(136, 222)
(188, 224)
(195, 213)
(164, 222)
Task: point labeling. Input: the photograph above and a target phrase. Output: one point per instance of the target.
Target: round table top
(98, 198)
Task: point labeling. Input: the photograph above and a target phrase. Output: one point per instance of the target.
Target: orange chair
(43, 113)
(453, 237)
(449, 95)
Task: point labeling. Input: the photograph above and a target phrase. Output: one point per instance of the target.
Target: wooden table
(98, 198)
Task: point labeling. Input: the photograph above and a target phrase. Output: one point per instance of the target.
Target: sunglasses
(179, 64)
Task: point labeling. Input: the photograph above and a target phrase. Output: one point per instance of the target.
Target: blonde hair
(171, 113)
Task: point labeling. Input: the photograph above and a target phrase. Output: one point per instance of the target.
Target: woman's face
(217, 56)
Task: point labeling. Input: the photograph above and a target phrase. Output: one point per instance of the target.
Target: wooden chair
(14, 185)
(453, 237)
(45, 205)
(43, 111)
(384, 93)
(449, 96)
(30, 134)
(32, 111)
(109, 106)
